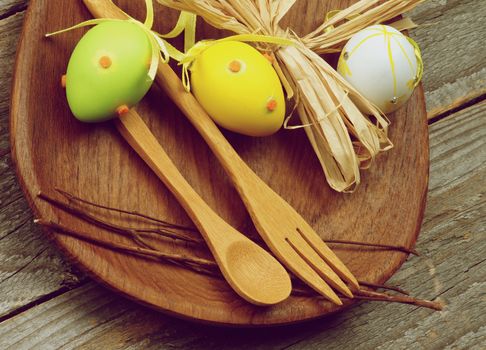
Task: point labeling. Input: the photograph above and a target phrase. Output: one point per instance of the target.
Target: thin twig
(374, 245)
(302, 289)
(135, 233)
(95, 221)
(74, 198)
(377, 296)
(383, 286)
(363, 294)
(188, 261)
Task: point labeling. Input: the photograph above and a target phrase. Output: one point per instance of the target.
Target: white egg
(381, 63)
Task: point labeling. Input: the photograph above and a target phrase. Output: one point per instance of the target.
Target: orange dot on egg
(105, 62)
(63, 81)
(272, 105)
(235, 66)
(123, 109)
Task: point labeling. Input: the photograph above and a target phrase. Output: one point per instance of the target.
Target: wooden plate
(51, 149)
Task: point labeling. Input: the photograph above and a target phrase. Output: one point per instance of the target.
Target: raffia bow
(344, 137)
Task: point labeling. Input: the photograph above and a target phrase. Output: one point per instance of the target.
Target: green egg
(107, 70)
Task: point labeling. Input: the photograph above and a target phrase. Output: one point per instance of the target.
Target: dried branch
(364, 294)
(136, 233)
(384, 286)
(210, 268)
(199, 265)
(74, 198)
(191, 262)
(375, 245)
(377, 296)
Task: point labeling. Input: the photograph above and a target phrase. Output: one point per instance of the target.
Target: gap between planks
(436, 115)
(12, 8)
(41, 300)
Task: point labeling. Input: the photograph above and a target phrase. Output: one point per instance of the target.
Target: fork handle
(241, 175)
(235, 167)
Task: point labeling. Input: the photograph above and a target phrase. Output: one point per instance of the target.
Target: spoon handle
(140, 138)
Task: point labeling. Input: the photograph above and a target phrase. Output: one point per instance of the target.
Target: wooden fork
(286, 233)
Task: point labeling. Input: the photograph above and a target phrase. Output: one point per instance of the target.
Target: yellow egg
(239, 88)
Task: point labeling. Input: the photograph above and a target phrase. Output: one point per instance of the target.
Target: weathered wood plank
(31, 267)
(9, 35)
(9, 7)
(452, 268)
(451, 34)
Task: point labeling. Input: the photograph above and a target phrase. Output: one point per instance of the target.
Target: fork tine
(311, 237)
(307, 253)
(295, 263)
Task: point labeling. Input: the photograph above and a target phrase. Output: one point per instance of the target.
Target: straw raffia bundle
(344, 137)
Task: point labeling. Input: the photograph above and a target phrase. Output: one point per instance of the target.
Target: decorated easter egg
(239, 88)
(381, 63)
(108, 71)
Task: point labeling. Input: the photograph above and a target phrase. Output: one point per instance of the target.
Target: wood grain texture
(452, 268)
(451, 34)
(28, 261)
(53, 149)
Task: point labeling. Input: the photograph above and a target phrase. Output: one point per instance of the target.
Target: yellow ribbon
(191, 55)
(294, 127)
(159, 48)
(187, 24)
(420, 62)
(333, 13)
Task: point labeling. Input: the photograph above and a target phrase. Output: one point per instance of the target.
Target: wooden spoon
(250, 270)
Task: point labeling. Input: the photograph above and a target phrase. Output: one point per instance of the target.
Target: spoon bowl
(257, 273)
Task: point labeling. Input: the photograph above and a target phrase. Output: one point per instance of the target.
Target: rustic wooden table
(47, 303)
